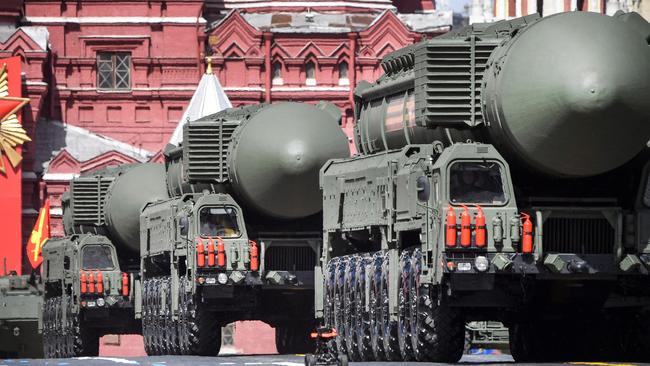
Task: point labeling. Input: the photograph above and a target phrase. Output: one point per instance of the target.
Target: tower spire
(208, 67)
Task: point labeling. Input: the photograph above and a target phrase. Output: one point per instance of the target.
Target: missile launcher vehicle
(92, 276)
(228, 229)
(502, 175)
(242, 233)
(21, 300)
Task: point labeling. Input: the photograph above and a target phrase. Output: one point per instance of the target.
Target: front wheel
(200, 332)
(437, 330)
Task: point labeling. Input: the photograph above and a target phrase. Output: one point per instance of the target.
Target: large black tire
(351, 309)
(362, 326)
(86, 339)
(526, 343)
(204, 331)
(439, 329)
(48, 329)
(636, 339)
(183, 325)
(58, 328)
(339, 305)
(421, 341)
(70, 324)
(147, 336)
(376, 326)
(389, 327)
(294, 339)
(171, 326)
(403, 326)
(158, 339)
(329, 300)
(551, 340)
(69, 339)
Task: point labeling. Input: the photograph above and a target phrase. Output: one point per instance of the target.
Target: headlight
(481, 263)
(222, 278)
(101, 302)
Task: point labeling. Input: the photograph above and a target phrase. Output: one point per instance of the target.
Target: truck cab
(223, 253)
(87, 294)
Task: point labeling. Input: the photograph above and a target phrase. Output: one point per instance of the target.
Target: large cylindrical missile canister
(564, 95)
(275, 157)
(126, 196)
(569, 95)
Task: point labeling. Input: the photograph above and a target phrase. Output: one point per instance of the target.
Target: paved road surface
(270, 360)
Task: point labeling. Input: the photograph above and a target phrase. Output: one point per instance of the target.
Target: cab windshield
(476, 183)
(219, 221)
(97, 257)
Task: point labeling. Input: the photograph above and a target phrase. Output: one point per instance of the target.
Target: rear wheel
(47, 329)
(376, 326)
(328, 301)
(183, 327)
(146, 316)
(339, 307)
(171, 326)
(351, 309)
(404, 326)
(389, 327)
(158, 342)
(362, 319)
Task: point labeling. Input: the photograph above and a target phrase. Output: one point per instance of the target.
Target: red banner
(40, 234)
(12, 136)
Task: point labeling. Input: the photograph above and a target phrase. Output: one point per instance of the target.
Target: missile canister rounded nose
(126, 197)
(568, 95)
(276, 157)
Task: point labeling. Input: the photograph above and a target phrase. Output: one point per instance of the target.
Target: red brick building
(108, 80)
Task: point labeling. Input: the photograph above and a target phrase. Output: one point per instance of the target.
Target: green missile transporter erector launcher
(502, 175)
(245, 220)
(92, 276)
(228, 229)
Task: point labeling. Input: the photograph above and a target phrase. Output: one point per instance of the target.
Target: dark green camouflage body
(137, 226)
(530, 117)
(20, 314)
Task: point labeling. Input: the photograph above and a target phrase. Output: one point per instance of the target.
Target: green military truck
(240, 237)
(502, 175)
(228, 229)
(20, 316)
(91, 277)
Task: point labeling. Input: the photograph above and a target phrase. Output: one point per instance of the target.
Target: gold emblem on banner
(12, 133)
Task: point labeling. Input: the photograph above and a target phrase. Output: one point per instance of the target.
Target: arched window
(343, 74)
(277, 73)
(310, 73)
